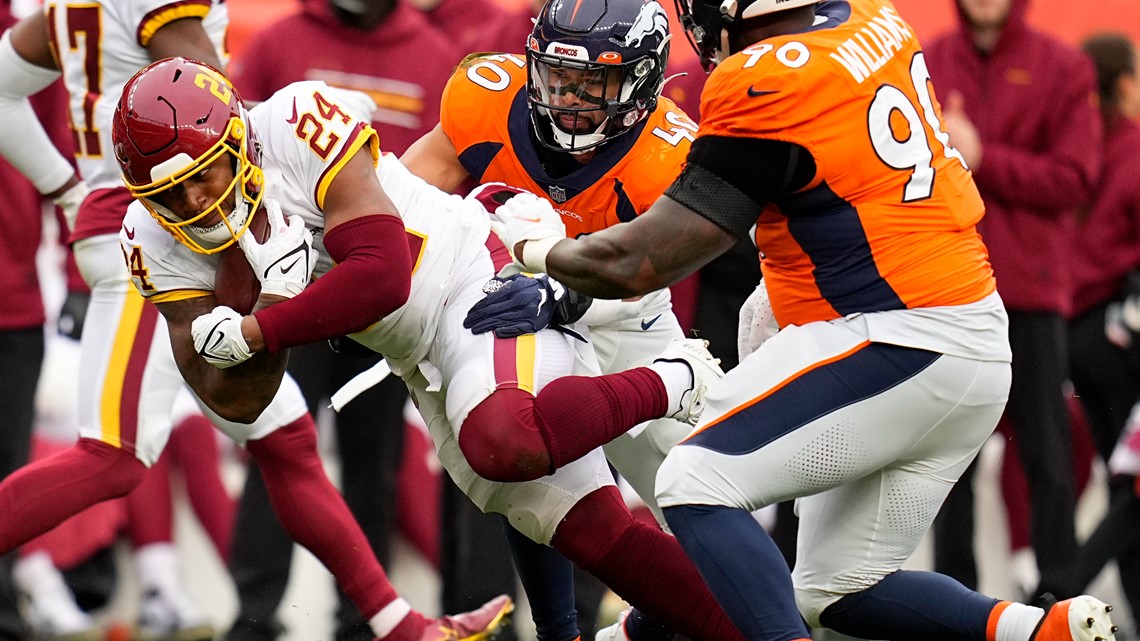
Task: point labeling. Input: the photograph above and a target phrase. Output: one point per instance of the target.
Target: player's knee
(500, 441)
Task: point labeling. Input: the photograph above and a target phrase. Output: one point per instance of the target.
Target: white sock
(1017, 622)
(678, 379)
(53, 605)
(160, 569)
(157, 565)
(386, 620)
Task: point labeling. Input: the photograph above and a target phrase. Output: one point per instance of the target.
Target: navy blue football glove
(520, 304)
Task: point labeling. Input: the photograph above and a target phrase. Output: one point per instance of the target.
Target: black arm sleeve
(730, 180)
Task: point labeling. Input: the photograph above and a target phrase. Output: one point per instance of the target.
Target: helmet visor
(575, 95)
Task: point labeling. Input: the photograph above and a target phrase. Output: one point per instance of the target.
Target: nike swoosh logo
(756, 93)
(130, 232)
(299, 249)
(293, 118)
(645, 325)
(214, 331)
(285, 270)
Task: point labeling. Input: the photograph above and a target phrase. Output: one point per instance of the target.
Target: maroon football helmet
(175, 117)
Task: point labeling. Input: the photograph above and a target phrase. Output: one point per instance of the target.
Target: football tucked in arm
(235, 284)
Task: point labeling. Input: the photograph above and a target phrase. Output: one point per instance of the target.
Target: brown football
(235, 284)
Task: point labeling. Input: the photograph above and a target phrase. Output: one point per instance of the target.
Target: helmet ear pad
(626, 40)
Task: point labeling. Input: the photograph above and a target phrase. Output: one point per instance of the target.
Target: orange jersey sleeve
(485, 115)
(889, 220)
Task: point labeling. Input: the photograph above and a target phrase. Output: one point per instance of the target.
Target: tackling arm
(718, 197)
(237, 394)
(433, 158)
(657, 249)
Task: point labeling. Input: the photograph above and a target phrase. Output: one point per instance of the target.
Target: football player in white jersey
(410, 261)
(130, 377)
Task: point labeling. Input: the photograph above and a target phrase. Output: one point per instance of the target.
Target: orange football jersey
(889, 220)
(485, 115)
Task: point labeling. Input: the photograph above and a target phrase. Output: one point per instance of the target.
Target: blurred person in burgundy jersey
(380, 48)
(21, 318)
(480, 25)
(1103, 355)
(1021, 108)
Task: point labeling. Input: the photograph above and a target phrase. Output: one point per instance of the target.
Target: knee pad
(501, 441)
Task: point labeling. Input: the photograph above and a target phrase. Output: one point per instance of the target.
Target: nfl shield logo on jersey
(557, 194)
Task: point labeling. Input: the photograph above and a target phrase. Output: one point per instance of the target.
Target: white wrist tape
(23, 141)
(534, 253)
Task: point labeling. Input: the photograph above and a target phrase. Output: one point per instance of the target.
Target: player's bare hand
(963, 134)
(285, 260)
(218, 338)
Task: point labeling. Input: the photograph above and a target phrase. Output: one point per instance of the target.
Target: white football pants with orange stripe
(631, 334)
(869, 437)
(127, 373)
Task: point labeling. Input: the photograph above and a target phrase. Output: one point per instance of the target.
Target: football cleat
(704, 369)
(1082, 618)
(615, 632)
(170, 617)
(478, 625)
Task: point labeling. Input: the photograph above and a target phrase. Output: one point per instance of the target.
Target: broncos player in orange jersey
(821, 138)
(578, 119)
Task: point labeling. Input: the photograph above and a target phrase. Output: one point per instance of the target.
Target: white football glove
(284, 262)
(757, 322)
(218, 339)
(530, 219)
(69, 202)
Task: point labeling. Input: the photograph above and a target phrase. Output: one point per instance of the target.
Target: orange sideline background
(1069, 20)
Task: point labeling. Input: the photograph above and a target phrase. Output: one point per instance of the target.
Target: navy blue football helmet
(708, 23)
(595, 69)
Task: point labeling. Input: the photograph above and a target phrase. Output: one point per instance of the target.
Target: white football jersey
(100, 44)
(306, 136)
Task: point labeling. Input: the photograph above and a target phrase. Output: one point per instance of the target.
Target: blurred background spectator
(1020, 107)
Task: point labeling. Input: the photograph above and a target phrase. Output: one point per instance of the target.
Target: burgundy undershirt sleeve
(372, 279)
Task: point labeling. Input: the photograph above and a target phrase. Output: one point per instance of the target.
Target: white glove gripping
(69, 202)
(284, 262)
(218, 339)
(757, 322)
(530, 219)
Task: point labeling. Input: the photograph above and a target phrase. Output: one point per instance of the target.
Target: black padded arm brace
(730, 180)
